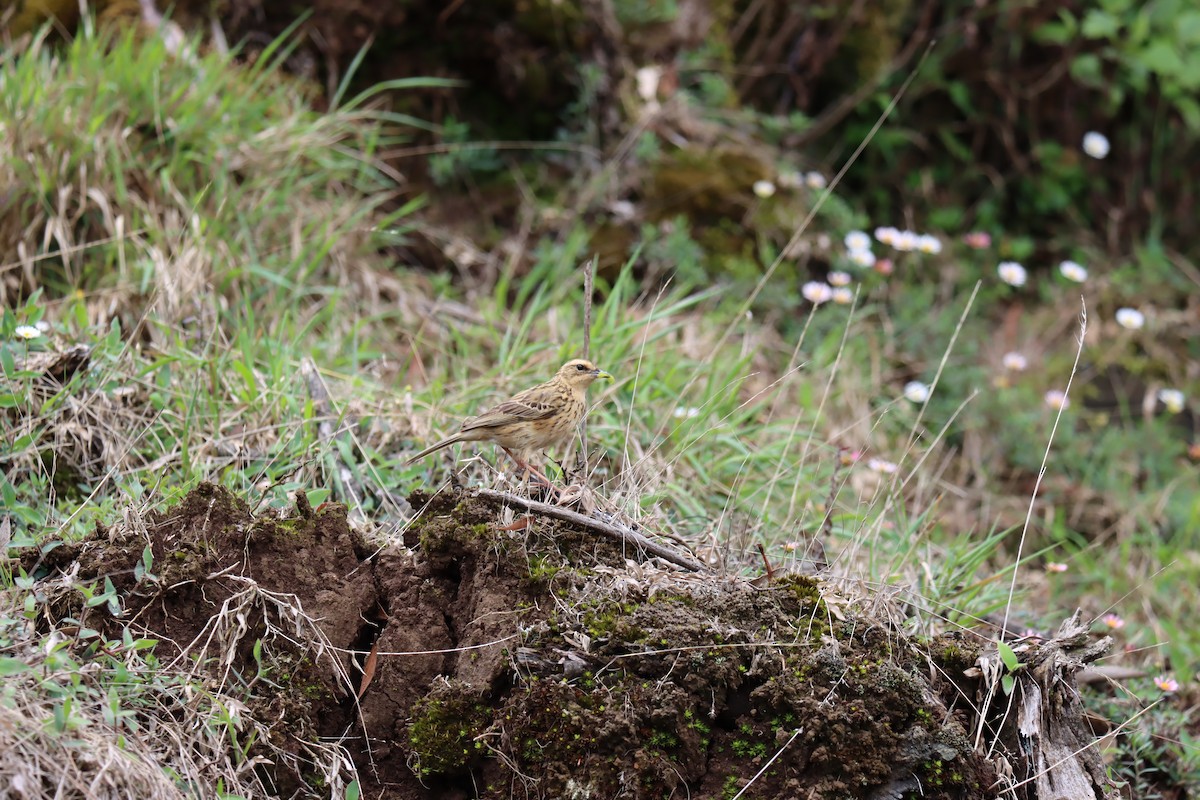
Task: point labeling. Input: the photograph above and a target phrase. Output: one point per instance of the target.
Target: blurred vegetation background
(403, 194)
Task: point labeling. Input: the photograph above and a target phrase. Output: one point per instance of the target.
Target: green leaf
(1054, 33)
(1160, 56)
(12, 666)
(1008, 657)
(1100, 25)
(1087, 69)
(1187, 27)
(1139, 29)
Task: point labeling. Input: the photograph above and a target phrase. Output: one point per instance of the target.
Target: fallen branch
(613, 530)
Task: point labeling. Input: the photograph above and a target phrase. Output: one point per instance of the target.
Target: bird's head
(580, 373)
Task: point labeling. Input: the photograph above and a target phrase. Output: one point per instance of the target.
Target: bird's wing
(541, 402)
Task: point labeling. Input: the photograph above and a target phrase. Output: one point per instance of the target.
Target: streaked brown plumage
(533, 420)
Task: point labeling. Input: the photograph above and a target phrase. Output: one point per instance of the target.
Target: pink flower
(1113, 621)
(978, 240)
(1056, 399)
(1055, 566)
(1166, 683)
(817, 292)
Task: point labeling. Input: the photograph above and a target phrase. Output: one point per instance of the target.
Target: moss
(608, 619)
(542, 571)
(685, 600)
(706, 185)
(663, 684)
(444, 726)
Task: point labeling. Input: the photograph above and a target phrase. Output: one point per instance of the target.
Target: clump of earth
(479, 659)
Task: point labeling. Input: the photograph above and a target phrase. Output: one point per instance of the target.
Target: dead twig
(613, 530)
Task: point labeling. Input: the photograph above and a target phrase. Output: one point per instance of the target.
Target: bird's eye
(580, 367)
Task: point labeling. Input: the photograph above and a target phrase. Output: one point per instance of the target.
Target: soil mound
(537, 660)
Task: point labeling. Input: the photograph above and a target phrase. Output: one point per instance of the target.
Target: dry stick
(613, 530)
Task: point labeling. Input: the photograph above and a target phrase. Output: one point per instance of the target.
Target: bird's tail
(434, 448)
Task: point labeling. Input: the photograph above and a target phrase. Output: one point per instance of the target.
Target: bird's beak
(599, 373)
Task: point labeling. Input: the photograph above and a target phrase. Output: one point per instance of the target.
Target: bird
(532, 420)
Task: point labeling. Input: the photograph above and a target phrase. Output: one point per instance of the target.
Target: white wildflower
(1095, 144)
(764, 189)
(1015, 362)
(1073, 271)
(1173, 399)
(817, 292)
(1011, 273)
(1130, 318)
(916, 391)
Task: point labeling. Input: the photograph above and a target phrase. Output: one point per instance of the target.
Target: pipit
(533, 420)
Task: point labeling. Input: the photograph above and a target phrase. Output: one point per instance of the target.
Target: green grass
(207, 236)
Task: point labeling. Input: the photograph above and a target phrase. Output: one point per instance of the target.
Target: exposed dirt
(544, 662)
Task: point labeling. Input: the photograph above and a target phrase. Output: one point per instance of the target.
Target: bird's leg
(528, 471)
(526, 468)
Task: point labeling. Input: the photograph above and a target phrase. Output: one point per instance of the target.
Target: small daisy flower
(884, 266)
(647, 82)
(1056, 399)
(764, 189)
(43, 326)
(839, 279)
(1173, 399)
(887, 235)
(1073, 272)
(916, 392)
(880, 465)
(815, 180)
(862, 258)
(790, 547)
(1166, 683)
(1095, 144)
(978, 240)
(857, 240)
(1130, 318)
(1056, 566)
(928, 243)
(843, 296)
(1113, 622)
(686, 412)
(906, 241)
(817, 292)
(1011, 273)
(1030, 633)
(27, 332)
(1014, 362)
